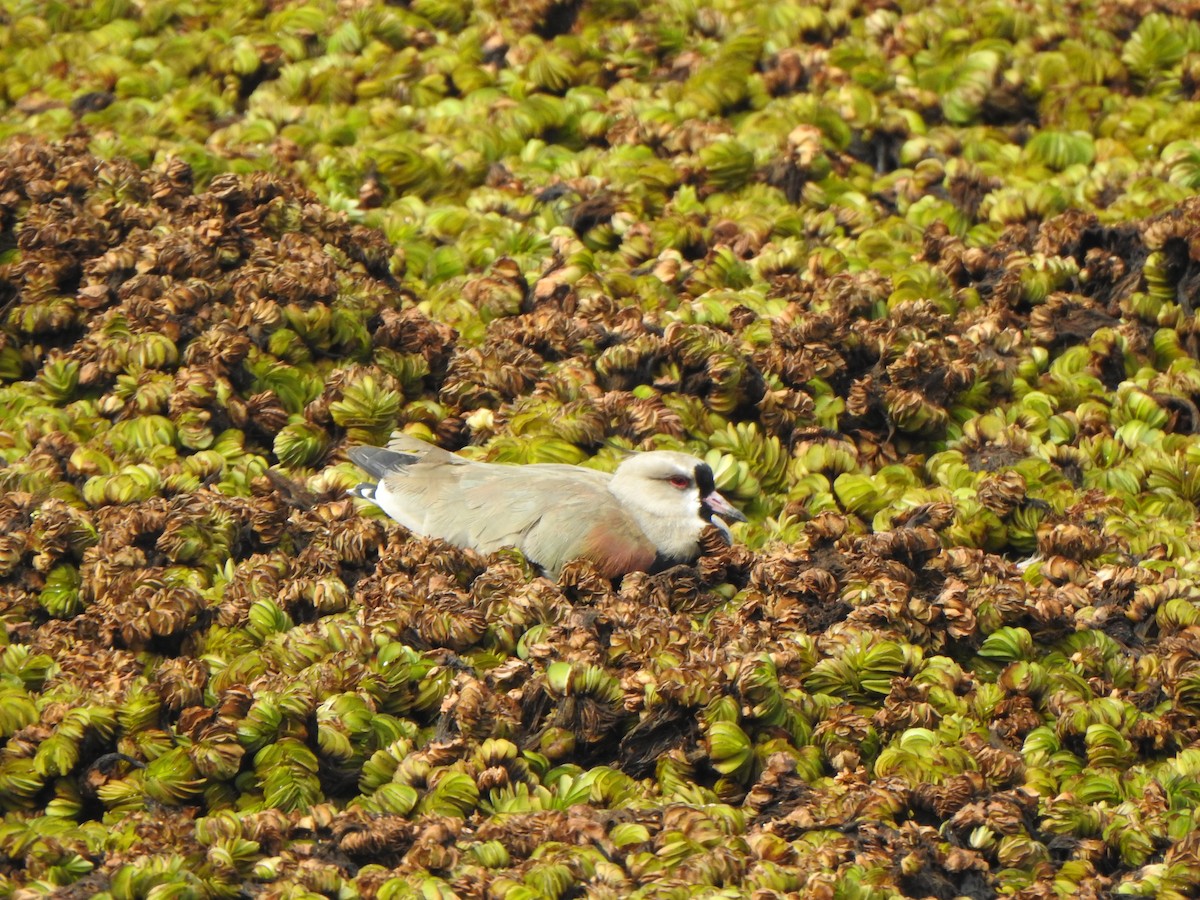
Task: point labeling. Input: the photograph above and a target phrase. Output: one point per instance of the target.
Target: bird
(646, 516)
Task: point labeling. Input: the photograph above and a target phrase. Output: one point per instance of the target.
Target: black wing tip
(380, 461)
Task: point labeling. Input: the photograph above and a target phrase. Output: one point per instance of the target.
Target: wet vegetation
(918, 281)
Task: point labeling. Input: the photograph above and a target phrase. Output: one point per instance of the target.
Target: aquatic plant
(916, 283)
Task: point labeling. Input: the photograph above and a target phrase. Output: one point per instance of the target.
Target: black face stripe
(704, 479)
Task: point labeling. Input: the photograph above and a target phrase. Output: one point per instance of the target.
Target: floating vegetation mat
(918, 282)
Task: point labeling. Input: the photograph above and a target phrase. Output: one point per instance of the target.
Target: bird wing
(380, 462)
(552, 513)
(407, 444)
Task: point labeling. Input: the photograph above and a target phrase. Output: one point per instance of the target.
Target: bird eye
(679, 481)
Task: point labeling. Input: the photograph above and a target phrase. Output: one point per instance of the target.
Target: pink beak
(719, 506)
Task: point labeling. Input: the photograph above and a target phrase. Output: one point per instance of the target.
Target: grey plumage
(647, 514)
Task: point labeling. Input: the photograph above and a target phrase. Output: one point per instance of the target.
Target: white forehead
(659, 464)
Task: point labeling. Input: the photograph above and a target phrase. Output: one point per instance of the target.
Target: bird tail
(364, 491)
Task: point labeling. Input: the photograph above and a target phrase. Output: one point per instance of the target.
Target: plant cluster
(917, 282)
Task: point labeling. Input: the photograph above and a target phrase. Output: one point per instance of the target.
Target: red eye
(679, 481)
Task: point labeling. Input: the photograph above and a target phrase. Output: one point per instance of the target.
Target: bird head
(673, 497)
